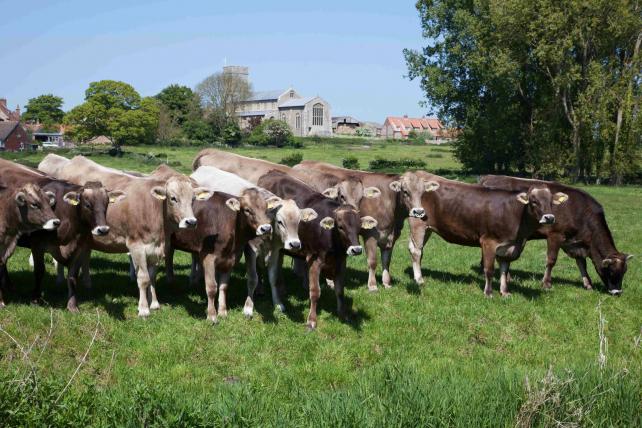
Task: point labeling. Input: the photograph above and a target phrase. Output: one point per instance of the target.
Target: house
(13, 136)
(345, 125)
(400, 127)
(101, 140)
(6, 114)
(306, 116)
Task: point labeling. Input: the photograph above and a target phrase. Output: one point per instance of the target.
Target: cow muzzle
(293, 244)
(100, 230)
(263, 229)
(51, 224)
(615, 292)
(417, 212)
(547, 219)
(187, 223)
(354, 250)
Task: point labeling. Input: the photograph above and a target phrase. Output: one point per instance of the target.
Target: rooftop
(266, 95)
(297, 102)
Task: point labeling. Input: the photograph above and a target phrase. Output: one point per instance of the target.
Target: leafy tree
(180, 102)
(232, 133)
(46, 109)
(271, 132)
(220, 95)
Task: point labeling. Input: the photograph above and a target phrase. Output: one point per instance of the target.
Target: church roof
(252, 113)
(297, 102)
(266, 95)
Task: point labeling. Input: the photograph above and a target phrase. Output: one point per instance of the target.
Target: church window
(317, 114)
(298, 121)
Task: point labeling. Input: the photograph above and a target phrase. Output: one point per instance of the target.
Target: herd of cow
(233, 206)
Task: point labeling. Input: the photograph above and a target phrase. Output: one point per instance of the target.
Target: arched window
(283, 117)
(317, 114)
(298, 121)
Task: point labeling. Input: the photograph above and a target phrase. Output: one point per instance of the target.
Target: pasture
(439, 354)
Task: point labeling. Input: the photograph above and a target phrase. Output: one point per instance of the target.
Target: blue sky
(349, 52)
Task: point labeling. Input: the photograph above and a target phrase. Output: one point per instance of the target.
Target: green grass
(435, 355)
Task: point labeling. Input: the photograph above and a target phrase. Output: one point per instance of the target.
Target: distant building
(400, 127)
(306, 116)
(13, 136)
(345, 125)
(6, 114)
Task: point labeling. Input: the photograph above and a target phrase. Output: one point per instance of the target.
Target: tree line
(546, 88)
(177, 115)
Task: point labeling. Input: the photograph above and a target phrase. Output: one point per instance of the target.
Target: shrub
(232, 133)
(379, 164)
(351, 162)
(292, 159)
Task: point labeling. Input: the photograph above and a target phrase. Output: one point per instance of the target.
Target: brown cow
(348, 190)
(24, 208)
(400, 198)
(580, 230)
(327, 240)
(498, 221)
(143, 222)
(82, 211)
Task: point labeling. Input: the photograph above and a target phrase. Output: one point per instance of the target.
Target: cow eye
(280, 223)
(35, 206)
(174, 199)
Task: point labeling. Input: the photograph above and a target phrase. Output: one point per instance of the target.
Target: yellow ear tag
(73, 201)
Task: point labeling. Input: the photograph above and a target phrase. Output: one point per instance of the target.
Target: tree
(271, 132)
(220, 95)
(180, 102)
(45, 109)
(116, 110)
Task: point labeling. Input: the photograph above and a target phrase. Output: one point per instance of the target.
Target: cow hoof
(387, 285)
(488, 294)
(154, 306)
(330, 283)
(143, 313)
(547, 285)
(36, 301)
(2, 305)
(280, 308)
(310, 327)
(73, 309)
(506, 294)
(588, 288)
(419, 281)
(213, 319)
(222, 313)
(248, 312)
(372, 289)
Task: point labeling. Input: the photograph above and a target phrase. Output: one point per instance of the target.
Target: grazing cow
(23, 209)
(580, 229)
(82, 210)
(400, 198)
(327, 240)
(498, 221)
(348, 190)
(141, 224)
(285, 218)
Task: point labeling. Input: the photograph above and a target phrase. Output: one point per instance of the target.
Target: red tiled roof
(405, 124)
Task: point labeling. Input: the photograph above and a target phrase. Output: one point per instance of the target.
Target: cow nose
(295, 244)
(355, 250)
(417, 212)
(264, 228)
(547, 219)
(187, 223)
(51, 224)
(100, 230)
(615, 292)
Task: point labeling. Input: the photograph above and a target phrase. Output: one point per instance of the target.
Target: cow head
(347, 225)
(255, 210)
(540, 203)
(287, 217)
(411, 187)
(350, 192)
(92, 202)
(34, 206)
(178, 196)
(612, 272)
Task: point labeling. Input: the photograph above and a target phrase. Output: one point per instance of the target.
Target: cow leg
(252, 280)
(339, 281)
(132, 268)
(222, 293)
(142, 277)
(386, 255)
(153, 270)
(371, 253)
(274, 266)
(38, 260)
(553, 248)
(503, 282)
(4, 275)
(415, 246)
(86, 277)
(169, 265)
(586, 280)
(488, 254)
(315, 292)
(72, 279)
(60, 275)
(209, 269)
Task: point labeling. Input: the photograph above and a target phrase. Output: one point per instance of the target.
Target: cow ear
(308, 214)
(274, 202)
(233, 204)
(368, 222)
(72, 198)
(607, 262)
(52, 198)
(202, 194)
(21, 199)
(523, 198)
(331, 192)
(115, 196)
(431, 186)
(395, 186)
(371, 192)
(560, 198)
(159, 193)
(327, 223)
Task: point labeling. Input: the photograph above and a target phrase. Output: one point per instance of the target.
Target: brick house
(13, 136)
(345, 125)
(6, 114)
(400, 127)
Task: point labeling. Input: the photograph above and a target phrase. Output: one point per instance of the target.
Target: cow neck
(11, 219)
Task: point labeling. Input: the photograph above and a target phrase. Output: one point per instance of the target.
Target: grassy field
(435, 355)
